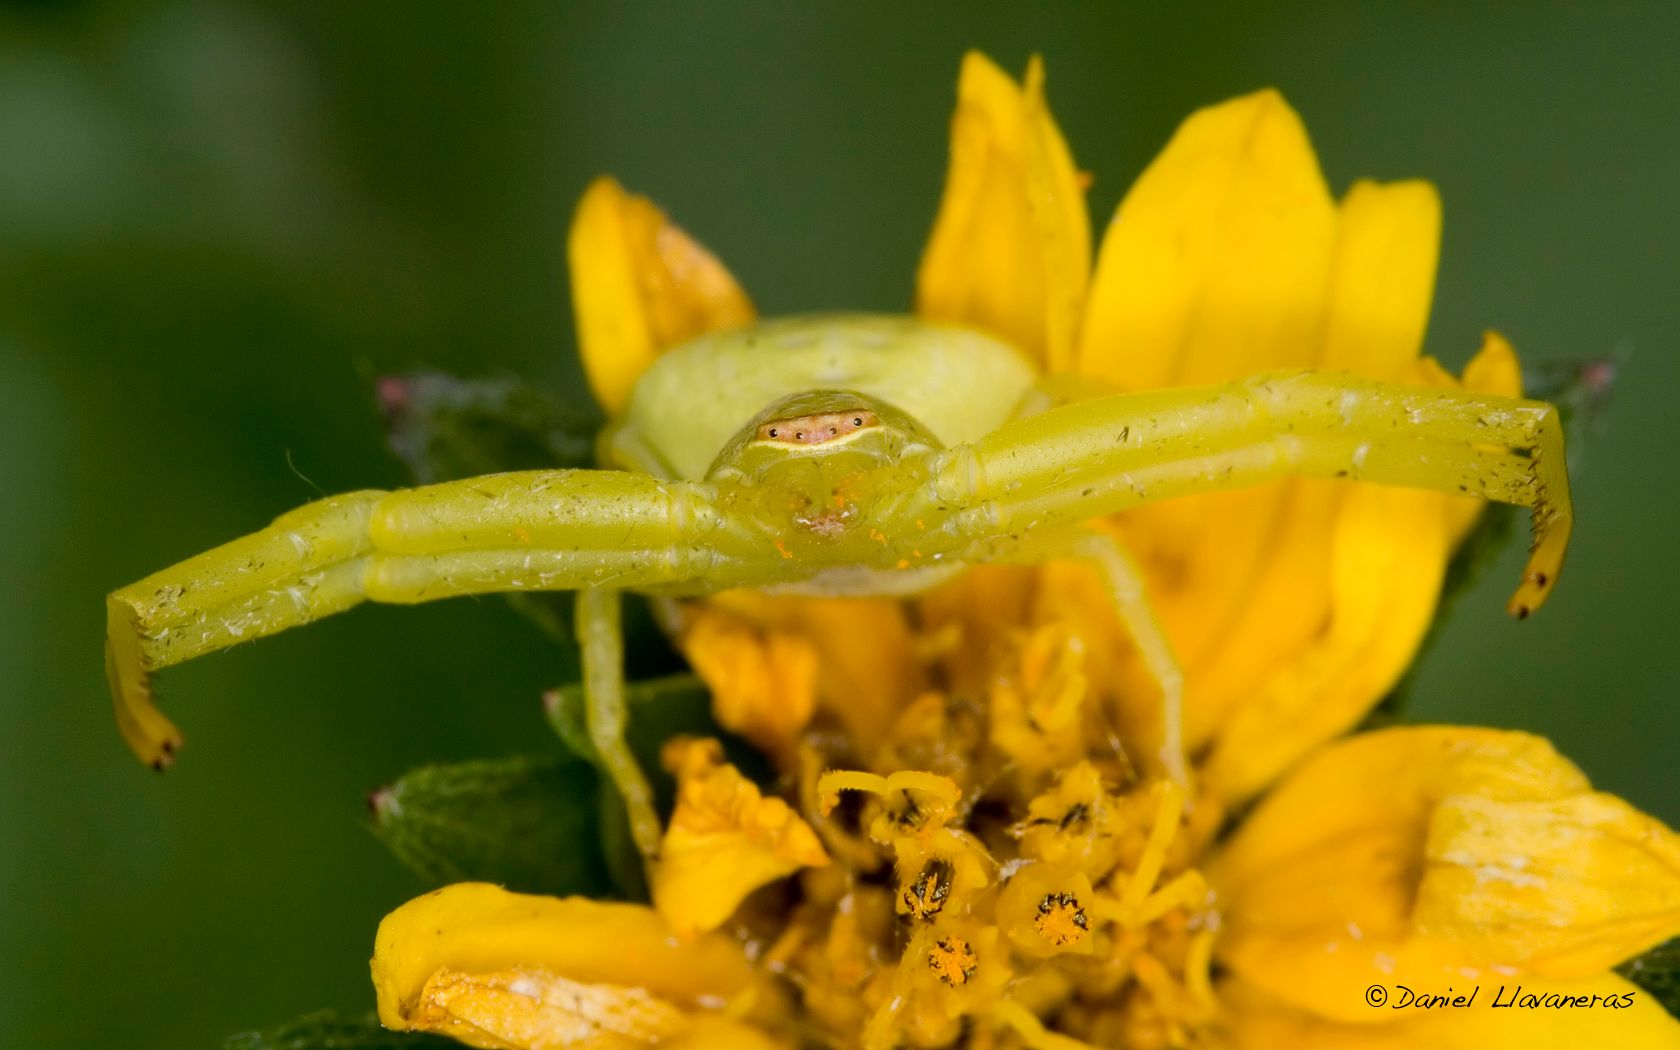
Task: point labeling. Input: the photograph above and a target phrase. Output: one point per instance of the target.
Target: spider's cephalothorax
(832, 454)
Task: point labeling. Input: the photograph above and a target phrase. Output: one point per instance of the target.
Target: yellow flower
(1009, 867)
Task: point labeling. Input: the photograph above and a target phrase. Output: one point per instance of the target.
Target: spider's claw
(1541, 573)
(152, 737)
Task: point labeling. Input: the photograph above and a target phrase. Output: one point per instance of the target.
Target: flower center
(1082, 920)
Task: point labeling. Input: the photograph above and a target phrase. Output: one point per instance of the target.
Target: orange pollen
(818, 428)
(1061, 920)
(953, 960)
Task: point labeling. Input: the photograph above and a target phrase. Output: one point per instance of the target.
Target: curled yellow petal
(1010, 250)
(724, 841)
(640, 286)
(772, 662)
(1420, 855)
(469, 953)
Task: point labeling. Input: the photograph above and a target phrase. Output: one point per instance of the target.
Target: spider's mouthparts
(829, 523)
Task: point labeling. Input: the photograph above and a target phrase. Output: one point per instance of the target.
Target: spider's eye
(857, 421)
(772, 431)
(834, 430)
(799, 435)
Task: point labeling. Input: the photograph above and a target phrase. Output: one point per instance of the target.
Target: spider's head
(813, 460)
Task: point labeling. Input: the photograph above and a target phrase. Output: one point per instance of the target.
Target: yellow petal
(1010, 250)
(1570, 886)
(1387, 549)
(1381, 280)
(770, 662)
(1216, 267)
(1216, 264)
(475, 931)
(725, 840)
(1347, 872)
(1622, 1016)
(640, 286)
(1388, 237)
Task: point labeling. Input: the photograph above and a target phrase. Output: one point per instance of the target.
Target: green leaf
(531, 824)
(327, 1030)
(443, 427)
(1657, 972)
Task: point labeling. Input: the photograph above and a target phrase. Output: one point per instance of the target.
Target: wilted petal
(537, 1010)
(724, 841)
(1010, 251)
(474, 955)
(640, 286)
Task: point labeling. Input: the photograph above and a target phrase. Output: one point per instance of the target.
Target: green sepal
(531, 824)
(1658, 973)
(328, 1030)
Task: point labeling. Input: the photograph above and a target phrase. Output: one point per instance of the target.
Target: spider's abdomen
(959, 383)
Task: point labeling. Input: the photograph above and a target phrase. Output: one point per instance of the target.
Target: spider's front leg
(1096, 457)
(538, 530)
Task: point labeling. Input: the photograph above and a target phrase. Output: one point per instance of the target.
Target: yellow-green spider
(827, 455)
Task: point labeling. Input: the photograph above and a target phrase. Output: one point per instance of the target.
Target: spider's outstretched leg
(601, 639)
(1124, 582)
(537, 530)
(1095, 457)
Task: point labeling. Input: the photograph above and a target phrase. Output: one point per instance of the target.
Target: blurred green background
(218, 220)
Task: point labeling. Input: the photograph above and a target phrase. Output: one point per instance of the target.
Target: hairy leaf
(531, 824)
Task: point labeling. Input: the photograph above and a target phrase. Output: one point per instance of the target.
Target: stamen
(1061, 920)
(1188, 889)
(1198, 969)
(830, 784)
(953, 960)
(1167, 813)
(926, 897)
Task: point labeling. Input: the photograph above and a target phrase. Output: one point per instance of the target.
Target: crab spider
(831, 455)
